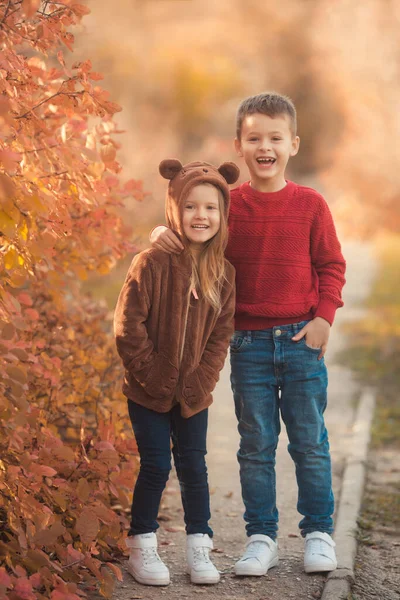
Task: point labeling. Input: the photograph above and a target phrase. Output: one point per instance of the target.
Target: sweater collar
(282, 194)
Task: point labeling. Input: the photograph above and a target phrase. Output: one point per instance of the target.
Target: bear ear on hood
(169, 167)
(229, 171)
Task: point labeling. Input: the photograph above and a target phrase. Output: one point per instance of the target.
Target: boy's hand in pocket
(316, 333)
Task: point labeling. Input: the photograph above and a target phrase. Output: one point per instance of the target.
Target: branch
(17, 33)
(40, 149)
(6, 12)
(53, 174)
(48, 99)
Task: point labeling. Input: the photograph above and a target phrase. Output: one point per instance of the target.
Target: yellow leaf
(81, 272)
(23, 231)
(7, 224)
(10, 259)
(104, 267)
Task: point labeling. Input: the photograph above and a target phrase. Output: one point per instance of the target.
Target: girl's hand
(316, 333)
(164, 239)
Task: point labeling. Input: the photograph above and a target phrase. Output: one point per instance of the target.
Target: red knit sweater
(288, 261)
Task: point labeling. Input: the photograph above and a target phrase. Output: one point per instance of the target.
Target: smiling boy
(289, 278)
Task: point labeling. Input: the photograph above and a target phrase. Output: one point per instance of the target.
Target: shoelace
(150, 556)
(200, 555)
(253, 549)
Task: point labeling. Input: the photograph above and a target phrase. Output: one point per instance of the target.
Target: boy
(289, 277)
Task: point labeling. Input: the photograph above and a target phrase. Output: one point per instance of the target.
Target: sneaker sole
(203, 579)
(243, 570)
(146, 581)
(316, 568)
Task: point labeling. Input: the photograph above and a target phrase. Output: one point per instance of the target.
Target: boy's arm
(204, 378)
(327, 258)
(133, 344)
(164, 239)
(328, 261)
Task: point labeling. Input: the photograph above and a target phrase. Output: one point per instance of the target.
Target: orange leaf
(87, 526)
(8, 331)
(42, 470)
(29, 7)
(111, 107)
(96, 76)
(48, 537)
(80, 9)
(83, 490)
(108, 153)
(17, 374)
(116, 570)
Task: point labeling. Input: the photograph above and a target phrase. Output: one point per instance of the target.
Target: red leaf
(25, 299)
(94, 76)
(5, 579)
(32, 314)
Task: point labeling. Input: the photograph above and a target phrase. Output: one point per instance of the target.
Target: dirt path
(288, 579)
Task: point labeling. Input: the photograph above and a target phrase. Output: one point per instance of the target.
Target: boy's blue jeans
(154, 432)
(271, 374)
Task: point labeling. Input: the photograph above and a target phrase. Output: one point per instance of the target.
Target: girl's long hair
(209, 273)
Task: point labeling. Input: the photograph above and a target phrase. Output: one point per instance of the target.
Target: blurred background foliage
(180, 68)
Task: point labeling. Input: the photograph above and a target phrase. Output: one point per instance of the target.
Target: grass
(373, 353)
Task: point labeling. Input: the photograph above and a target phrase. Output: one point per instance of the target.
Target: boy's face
(266, 145)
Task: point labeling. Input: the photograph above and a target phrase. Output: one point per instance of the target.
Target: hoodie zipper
(185, 325)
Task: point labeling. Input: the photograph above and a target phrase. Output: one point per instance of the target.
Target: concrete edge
(339, 582)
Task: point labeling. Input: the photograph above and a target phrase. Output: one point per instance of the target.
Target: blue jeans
(271, 374)
(154, 432)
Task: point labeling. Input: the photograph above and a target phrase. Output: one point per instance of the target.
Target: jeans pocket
(304, 343)
(236, 342)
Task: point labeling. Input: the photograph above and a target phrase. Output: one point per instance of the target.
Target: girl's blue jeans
(154, 432)
(273, 376)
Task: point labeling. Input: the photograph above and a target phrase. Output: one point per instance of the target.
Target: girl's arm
(204, 378)
(133, 344)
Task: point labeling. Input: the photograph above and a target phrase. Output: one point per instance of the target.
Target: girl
(173, 323)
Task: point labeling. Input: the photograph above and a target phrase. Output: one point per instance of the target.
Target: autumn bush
(67, 462)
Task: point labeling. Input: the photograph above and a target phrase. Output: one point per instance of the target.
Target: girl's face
(201, 214)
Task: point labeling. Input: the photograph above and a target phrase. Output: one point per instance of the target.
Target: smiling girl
(173, 323)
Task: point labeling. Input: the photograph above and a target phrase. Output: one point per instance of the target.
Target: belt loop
(248, 336)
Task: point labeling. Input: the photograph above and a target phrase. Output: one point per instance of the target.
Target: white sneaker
(144, 564)
(319, 552)
(199, 565)
(261, 554)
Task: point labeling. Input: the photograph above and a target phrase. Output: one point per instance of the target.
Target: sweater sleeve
(329, 264)
(204, 378)
(133, 344)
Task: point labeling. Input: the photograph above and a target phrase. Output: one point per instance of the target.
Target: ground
(287, 580)
(377, 568)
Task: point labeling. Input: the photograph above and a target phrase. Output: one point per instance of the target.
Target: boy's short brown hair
(271, 104)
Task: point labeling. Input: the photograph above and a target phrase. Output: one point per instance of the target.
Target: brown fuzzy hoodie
(173, 345)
